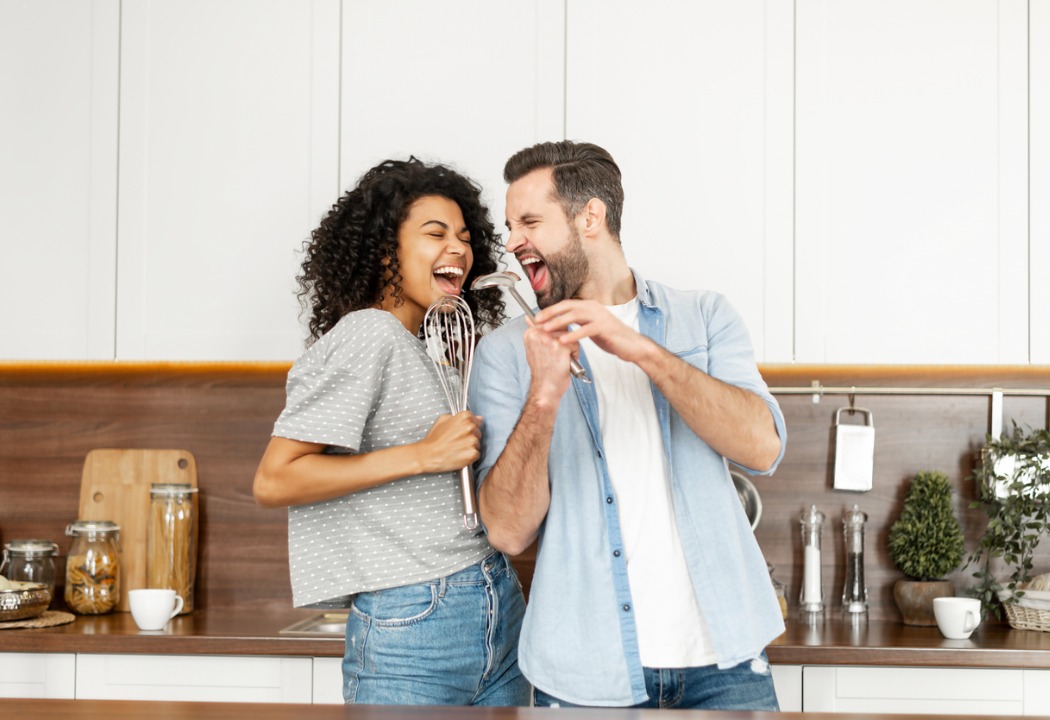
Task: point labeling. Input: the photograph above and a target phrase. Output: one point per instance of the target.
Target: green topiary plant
(1013, 484)
(926, 542)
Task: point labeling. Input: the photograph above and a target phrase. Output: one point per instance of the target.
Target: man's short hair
(581, 171)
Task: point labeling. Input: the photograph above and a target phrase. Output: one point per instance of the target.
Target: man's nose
(515, 241)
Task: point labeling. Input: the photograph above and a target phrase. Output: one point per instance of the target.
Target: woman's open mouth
(449, 279)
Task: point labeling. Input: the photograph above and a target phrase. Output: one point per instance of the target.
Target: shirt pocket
(695, 356)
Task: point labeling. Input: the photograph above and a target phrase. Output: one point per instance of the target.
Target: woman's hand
(452, 443)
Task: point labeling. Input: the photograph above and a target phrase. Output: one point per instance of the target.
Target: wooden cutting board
(115, 486)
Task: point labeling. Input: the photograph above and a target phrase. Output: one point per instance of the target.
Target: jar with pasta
(171, 540)
(93, 567)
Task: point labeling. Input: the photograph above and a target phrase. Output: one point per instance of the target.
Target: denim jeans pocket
(396, 607)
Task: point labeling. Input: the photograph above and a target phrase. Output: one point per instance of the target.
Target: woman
(367, 456)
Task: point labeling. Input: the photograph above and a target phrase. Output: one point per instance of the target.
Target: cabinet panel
(228, 158)
(466, 83)
(940, 691)
(694, 100)
(58, 178)
(1039, 139)
(37, 675)
(787, 680)
(328, 681)
(198, 678)
(1036, 692)
(911, 181)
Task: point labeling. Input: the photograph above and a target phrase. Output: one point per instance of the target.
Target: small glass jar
(780, 591)
(93, 567)
(171, 540)
(30, 561)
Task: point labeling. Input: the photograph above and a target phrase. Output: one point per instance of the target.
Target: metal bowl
(749, 498)
(23, 602)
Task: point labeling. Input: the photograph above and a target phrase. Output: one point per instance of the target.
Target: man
(649, 589)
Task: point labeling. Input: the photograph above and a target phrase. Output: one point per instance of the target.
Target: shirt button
(626, 608)
(616, 553)
(609, 500)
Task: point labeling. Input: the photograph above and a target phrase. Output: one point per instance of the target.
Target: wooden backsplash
(52, 415)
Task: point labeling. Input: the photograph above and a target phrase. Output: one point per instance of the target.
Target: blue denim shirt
(579, 638)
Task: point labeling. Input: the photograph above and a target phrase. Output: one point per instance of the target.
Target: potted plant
(1013, 487)
(926, 544)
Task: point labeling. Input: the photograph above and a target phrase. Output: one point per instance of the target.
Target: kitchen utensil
(115, 486)
(93, 567)
(506, 281)
(854, 594)
(448, 328)
(811, 600)
(749, 498)
(854, 451)
(24, 600)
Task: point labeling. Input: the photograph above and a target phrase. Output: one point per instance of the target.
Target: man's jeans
(451, 641)
(747, 686)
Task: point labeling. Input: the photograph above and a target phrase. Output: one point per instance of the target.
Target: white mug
(153, 608)
(957, 617)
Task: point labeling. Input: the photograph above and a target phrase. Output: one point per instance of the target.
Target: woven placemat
(50, 618)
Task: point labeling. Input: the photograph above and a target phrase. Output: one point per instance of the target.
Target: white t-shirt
(671, 628)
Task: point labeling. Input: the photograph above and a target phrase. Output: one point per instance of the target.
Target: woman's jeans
(747, 686)
(450, 641)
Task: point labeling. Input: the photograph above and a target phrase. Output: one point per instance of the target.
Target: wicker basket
(1026, 618)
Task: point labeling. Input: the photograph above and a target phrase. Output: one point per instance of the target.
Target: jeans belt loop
(442, 585)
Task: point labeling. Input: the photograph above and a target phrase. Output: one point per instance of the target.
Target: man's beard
(566, 272)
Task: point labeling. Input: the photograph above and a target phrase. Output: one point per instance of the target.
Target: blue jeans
(450, 641)
(747, 686)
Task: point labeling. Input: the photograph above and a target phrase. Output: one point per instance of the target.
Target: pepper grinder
(854, 594)
(811, 600)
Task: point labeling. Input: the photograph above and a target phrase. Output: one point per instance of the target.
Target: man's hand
(574, 320)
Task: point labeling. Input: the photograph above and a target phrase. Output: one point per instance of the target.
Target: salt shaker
(854, 594)
(811, 600)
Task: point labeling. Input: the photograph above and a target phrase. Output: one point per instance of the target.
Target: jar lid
(89, 527)
(32, 547)
(171, 489)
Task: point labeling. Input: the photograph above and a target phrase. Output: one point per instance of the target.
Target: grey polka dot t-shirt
(365, 385)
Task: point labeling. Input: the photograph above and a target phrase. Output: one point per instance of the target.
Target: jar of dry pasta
(93, 567)
(171, 540)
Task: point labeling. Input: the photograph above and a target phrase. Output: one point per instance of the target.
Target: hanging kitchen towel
(854, 451)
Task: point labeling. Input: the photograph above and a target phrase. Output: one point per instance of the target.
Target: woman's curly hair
(351, 258)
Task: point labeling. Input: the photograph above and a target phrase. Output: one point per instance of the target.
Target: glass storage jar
(30, 561)
(171, 540)
(93, 567)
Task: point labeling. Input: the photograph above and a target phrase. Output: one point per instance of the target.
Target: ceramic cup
(957, 617)
(154, 607)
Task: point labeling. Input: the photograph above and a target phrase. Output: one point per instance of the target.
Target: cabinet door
(694, 102)
(198, 678)
(787, 681)
(58, 178)
(37, 675)
(467, 83)
(915, 691)
(1039, 98)
(911, 181)
(328, 681)
(228, 158)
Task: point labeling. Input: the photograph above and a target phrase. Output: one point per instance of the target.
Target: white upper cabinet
(694, 102)
(911, 181)
(465, 83)
(58, 178)
(229, 147)
(1039, 192)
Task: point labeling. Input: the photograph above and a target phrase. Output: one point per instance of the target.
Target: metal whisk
(448, 329)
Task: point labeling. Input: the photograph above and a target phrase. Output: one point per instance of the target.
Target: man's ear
(593, 215)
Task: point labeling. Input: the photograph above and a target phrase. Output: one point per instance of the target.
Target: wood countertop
(76, 709)
(257, 632)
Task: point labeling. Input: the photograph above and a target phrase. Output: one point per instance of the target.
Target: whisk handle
(470, 502)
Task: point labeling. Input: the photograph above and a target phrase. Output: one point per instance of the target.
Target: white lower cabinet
(37, 675)
(912, 690)
(787, 681)
(328, 681)
(209, 678)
